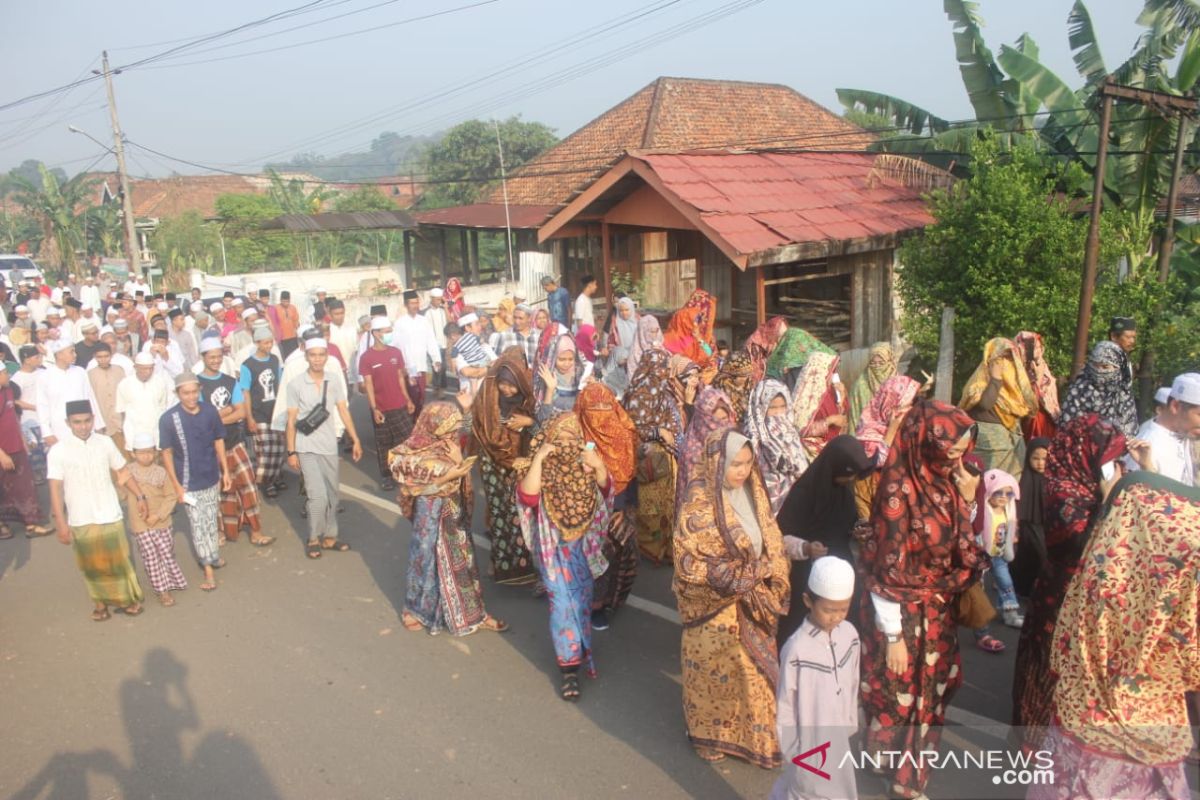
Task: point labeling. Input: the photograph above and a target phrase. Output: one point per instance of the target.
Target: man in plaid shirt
(521, 334)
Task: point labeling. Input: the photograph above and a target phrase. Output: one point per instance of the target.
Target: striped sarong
(239, 506)
(157, 548)
(204, 516)
(102, 553)
(270, 449)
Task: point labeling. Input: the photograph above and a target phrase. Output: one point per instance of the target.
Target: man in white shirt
(61, 383)
(414, 336)
(1171, 433)
(89, 293)
(143, 397)
(344, 335)
(437, 316)
(584, 313)
(168, 358)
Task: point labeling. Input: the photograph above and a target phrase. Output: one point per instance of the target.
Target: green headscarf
(793, 351)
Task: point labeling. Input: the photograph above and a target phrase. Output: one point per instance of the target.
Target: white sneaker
(1013, 618)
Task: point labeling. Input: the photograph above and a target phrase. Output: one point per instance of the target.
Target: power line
(149, 45)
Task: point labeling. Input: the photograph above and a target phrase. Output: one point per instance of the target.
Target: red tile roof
(486, 215)
(759, 201)
(681, 113)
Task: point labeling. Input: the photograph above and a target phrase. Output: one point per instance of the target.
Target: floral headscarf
(881, 365)
(776, 441)
(569, 493)
(424, 457)
(606, 423)
(811, 387)
(1033, 355)
(502, 319)
(1101, 389)
(704, 422)
(762, 344)
(1073, 462)
(736, 378)
(651, 401)
(1017, 399)
(453, 296)
(681, 370)
(690, 332)
(502, 444)
(570, 380)
(649, 336)
(922, 542)
(895, 392)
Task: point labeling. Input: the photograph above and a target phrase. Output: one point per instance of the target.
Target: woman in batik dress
(435, 494)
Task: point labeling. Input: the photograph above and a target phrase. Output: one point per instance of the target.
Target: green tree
(17, 229)
(59, 209)
(366, 247)
(247, 248)
(465, 164)
(1004, 252)
(105, 231)
(184, 243)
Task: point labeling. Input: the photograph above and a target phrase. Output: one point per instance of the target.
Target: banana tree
(59, 210)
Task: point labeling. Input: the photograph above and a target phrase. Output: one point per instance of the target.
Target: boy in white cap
(817, 695)
(154, 534)
(1173, 430)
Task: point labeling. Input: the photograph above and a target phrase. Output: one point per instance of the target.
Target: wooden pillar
(606, 261)
(464, 257)
(760, 293)
(409, 272)
(475, 257)
(442, 252)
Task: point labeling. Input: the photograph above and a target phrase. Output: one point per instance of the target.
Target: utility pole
(131, 240)
(1091, 250)
(507, 219)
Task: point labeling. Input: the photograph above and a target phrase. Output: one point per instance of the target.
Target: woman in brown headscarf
(565, 493)
(502, 414)
(731, 584)
(606, 425)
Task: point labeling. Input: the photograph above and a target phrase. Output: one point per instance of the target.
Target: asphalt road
(295, 679)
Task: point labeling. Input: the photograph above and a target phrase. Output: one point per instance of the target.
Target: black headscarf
(1031, 544)
(819, 510)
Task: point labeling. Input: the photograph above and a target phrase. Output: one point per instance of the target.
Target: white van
(15, 267)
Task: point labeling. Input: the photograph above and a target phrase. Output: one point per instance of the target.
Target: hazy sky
(236, 113)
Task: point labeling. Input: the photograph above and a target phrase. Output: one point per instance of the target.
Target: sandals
(490, 623)
(208, 587)
(989, 644)
(410, 622)
(100, 614)
(313, 549)
(335, 545)
(35, 531)
(570, 687)
(132, 610)
(166, 600)
(539, 589)
(710, 755)
(5, 531)
(271, 492)
(262, 541)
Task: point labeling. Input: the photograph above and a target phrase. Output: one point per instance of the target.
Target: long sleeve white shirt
(414, 336)
(142, 403)
(55, 388)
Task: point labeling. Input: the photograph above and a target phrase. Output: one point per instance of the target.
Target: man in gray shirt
(315, 453)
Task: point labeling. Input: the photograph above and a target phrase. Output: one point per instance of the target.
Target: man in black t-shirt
(260, 387)
(239, 505)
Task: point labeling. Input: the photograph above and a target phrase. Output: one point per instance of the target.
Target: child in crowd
(154, 535)
(995, 523)
(817, 702)
(1031, 530)
(722, 352)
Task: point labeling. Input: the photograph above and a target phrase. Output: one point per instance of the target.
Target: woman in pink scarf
(1043, 424)
(877, 430)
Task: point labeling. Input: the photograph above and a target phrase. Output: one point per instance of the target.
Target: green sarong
(102, 553)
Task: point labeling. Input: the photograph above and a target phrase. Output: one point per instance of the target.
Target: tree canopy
(465, 165)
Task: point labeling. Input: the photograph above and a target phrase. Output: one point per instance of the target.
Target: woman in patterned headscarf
(1033, 356)
(453, 296)
(877, 430)
(435, 494)
(1126, 649)
(731, 585)
(881, 365)
(736, 379)
(792, 353)
(1080, 454)
(501, 417)
(622, 337)
(656, 403)
(920, 556)
(713, 412)
(564, 370)
(781, 456)
(999, 397)
(1101, 389)
(502, 320)
(762, 344)
(565, 494)
(818, 403)
(606, 425)
(690, 333)
(649, 336)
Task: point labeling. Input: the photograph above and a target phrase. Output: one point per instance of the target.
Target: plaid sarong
(102, 553)
(270, 450)
(397, 426)
(204, 515)
(157, 547)
(240, 504)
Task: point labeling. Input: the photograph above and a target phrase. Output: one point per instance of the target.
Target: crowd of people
(827, 538)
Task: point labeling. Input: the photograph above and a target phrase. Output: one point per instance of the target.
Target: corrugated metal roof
(486, 216)
(348, 221)
(761, 201)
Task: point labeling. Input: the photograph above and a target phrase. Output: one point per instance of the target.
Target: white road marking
(953, 714)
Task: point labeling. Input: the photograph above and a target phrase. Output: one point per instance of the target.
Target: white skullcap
(55, 346)
(319, 290)
(210, 343)
(21, 308)
(831, 578)
(317, 343)
(436, 292)
(1162, 396)
(249, 312)
(195, 306)
(467, 319)
(1187, 388)
(143, 441)
(107, 329)
(54, 311)
(144, 360)
(380, 323)
(120, 323)
(161, 306)
(89, 325)
(237, 301)
(215, 307)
